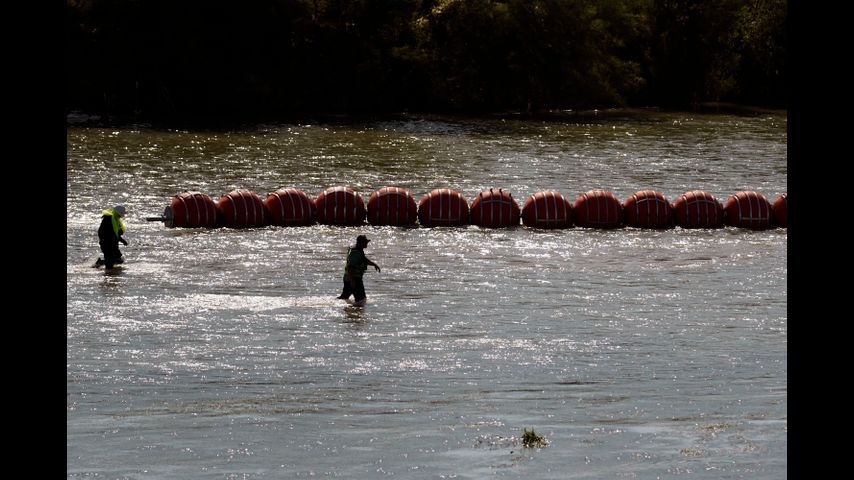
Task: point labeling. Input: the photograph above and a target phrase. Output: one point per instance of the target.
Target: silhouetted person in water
(110, 234)
(355, 267)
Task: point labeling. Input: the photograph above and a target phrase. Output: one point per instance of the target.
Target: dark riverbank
(208, 61)
(77, 118)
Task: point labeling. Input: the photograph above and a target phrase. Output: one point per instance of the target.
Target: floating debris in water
(718, 427)
(532, 440)
(690, 452)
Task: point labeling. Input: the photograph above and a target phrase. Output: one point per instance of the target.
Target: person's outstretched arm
(377, 267)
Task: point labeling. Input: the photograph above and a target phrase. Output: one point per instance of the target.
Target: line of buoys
(598, 209)
(699, 209)
(392, 206)
(241, 209)
(780, 208)
(190, 210)
(340, 206)
(490, 209)
(443, 207)
(547, 210)
(648, 209)
(289, 207)
(748, 210)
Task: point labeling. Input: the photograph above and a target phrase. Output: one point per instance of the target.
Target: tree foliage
(160, 58)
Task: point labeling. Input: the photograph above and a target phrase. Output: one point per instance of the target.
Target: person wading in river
(110, 234)
(355, 267)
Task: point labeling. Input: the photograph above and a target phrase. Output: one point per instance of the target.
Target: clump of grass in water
(532, 440)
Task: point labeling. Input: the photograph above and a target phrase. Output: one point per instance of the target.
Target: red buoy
(698, 209)
(780, 207)
(340, 206)
(289, 207)
(747, 210)
(190, 210)
(392, 206)
(493, 209)
(241, 209)
(648, 209)
(547, 209)
(598, 209)
(443, 207)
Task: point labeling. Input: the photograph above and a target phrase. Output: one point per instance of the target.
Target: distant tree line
(173, 58)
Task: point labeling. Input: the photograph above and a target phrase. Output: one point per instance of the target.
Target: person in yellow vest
(110, 234)
(355, 267)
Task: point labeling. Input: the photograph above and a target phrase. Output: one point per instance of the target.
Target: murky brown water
(223, 353)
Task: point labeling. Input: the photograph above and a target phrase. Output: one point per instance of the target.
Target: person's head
(120, 210)
(362, 241)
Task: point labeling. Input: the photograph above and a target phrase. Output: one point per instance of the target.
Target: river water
(223, 354)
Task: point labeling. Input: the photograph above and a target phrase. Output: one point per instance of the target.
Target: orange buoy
(698, 209)
(547, 209)
(493, 209)
(747, 210)
(289, 207)
(392, 206)
(780, 207)
(648, 209)
(443, 207)
(340, 206)
(598, 209)
(190, 210)
(241, 209)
